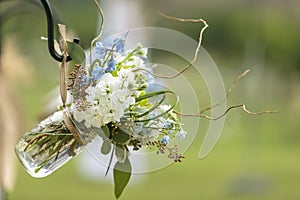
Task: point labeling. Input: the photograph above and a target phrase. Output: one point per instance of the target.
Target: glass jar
(52, 143)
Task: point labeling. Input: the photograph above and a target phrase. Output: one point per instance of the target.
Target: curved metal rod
(50, 23)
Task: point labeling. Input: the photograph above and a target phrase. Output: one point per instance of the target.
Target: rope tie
(63, 88)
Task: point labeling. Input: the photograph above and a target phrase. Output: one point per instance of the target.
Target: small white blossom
(144, 52)
(164, 108)
(136, 62)
(181, 134)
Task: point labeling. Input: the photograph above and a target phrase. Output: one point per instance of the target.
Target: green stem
(131, 54)
(56, 151)
(36, 138)
(109, 55)
(149, 95)
(152, 108)
(110, 160)
(152, 94)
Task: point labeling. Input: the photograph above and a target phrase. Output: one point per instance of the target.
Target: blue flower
(100, 49)
(153, 114)
(120, 43)
(86, 80)
(181, 134)
(167, 124)
(111, 65)
(138, 128)
(97, 72)
(165, 139)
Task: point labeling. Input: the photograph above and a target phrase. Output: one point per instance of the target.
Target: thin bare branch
(243, 106)
(228, 91)
(101, 28)
(236, 82)
(196, 51)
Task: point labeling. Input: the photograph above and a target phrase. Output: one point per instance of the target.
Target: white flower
(79, 116)
(108, 117)
(144, 52)
(135, 61)
(181, 134)
(164, 108)
(118, 114)
(107, 84)
(122, 97)
(127, 78)
(92, 121)
(88, 116)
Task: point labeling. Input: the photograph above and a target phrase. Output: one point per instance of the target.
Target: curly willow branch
(228, 91)
(101, 28)
(196, 51)
(243, 106)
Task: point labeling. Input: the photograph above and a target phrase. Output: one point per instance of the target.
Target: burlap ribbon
(63, 88)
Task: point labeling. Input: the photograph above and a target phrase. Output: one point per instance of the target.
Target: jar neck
(81, 133)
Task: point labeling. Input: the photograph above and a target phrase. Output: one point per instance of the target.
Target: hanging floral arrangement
(112, 95)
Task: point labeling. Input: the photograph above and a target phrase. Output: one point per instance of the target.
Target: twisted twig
(228, 91)
(196, 51)
(100, 31)
(243, 106)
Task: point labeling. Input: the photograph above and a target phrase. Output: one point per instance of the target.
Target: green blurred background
(257, 157)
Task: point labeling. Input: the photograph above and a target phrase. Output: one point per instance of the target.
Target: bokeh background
(257, 157)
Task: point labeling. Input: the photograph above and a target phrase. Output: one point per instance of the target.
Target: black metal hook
(51, 48)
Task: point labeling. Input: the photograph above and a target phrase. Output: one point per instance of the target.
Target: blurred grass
(256, 157)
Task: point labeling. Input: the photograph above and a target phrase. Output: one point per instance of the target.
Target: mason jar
(52, 143)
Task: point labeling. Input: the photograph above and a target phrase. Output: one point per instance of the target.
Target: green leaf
(119, 136)
(106, 147)
(121, 153)
(76, 52)
(122, 174)
(106, 131)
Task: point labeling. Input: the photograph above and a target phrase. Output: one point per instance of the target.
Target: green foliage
(106, 147)
(122, 174)
(76, 52)
(117, 135)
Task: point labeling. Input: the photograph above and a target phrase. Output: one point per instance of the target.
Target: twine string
(63, 87)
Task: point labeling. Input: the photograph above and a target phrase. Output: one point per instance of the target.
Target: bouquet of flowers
(114, 94)
(113, 97)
